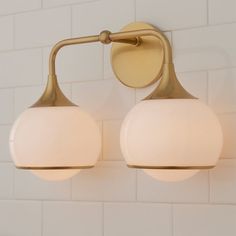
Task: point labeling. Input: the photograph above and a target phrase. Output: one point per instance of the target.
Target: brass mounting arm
(169, 86)
(106, 37)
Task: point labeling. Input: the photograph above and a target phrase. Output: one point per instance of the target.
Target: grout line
(14, 184)
(14, 104)
(209, 186)
(103, 220)
(41, 8)
(102, 140)
(42, 212)
(207, 87)
(92, 1)
(42, 66)
(209, 69)
(71, 21)
(6, 124)
(171, 41)
(135, 10)
(14, 33)
(6, 162)
(207, 12)
(21, 86)
(103, 62)
(135, 95)
(84, 2)
(23, 49)
(136, 185)
(71, 97)
(172, 219)
(201, 26)
(122, 202)
(71, 189)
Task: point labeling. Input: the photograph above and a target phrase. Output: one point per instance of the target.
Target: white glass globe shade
(171, 132)
(55, 137)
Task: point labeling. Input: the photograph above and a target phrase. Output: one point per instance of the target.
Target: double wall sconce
(170, 134)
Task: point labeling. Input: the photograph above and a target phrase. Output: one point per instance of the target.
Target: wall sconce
(171, 135)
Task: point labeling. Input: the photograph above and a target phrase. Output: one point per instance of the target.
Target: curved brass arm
(67, 42)
(115, 37)
(169, 86)
(130, 37)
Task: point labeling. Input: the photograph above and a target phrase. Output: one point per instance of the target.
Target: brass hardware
(52, 167)
(53, 95)
(140, 66)
(104, 37)
(145, 54)
(172, 167)
(141, 54)
(169, 86)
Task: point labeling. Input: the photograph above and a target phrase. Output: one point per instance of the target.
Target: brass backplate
(138, 66)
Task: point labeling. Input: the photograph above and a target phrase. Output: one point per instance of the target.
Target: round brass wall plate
(138, 66)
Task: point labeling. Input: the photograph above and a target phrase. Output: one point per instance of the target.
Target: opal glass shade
(173, 133)
(52, 137)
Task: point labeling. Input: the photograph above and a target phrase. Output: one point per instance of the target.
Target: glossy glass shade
(55, 137)
(171, 133)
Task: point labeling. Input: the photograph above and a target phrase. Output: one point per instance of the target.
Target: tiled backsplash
(111, 199)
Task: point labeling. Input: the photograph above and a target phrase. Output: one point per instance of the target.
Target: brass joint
(104, 37)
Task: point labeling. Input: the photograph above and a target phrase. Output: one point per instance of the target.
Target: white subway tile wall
(7, 30)
(42, 28)
(204, 220)
(72, 218)
(109, 181)
(171, 15)
(111, 199)
(87, 63)
(137, 219)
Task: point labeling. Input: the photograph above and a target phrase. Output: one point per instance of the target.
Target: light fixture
(54, 138)
(171, 135)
